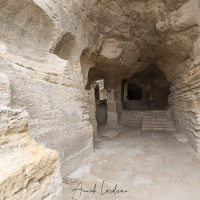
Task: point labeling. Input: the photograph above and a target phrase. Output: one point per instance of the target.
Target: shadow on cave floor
(149, 165)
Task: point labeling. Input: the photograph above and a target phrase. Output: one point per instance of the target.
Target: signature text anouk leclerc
(81, 188)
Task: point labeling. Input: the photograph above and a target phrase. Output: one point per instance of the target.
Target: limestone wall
(181, 64)
(28, 170)
(185, 104)
(48, 47)
(50, 87)
(57, 103)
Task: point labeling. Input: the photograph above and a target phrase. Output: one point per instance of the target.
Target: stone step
(157, 120)
(157, 125)
(158, 129)
(156, 113)
(147, 118)
(165, 121)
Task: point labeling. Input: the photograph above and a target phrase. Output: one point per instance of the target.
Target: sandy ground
(129, 164)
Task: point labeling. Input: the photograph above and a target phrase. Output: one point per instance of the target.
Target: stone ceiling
(135, 34)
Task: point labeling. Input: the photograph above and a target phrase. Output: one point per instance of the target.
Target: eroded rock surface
(28, 170)
(52, 51)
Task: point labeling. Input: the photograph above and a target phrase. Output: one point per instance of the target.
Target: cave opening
(134, 92)
(146, 90)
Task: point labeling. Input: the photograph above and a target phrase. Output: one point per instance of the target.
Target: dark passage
(134, 92)
(147, 90)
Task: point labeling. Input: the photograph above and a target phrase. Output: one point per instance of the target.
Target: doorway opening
(147, 90)
(134, 92)
(100, 94)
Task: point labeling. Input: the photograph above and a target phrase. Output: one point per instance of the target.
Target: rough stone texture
(40, 90)
(28, 170)
(5, 90)
(51, 89)
(184, 96)
(184, 102)
(52, 50)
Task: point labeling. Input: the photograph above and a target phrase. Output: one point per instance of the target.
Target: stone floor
(144, 165)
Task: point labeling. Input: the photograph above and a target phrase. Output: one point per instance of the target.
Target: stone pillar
(118, 97)
(92, 112)
(111, 109)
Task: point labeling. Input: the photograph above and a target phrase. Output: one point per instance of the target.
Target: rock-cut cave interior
(99, 99)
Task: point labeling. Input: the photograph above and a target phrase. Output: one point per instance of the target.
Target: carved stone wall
(28, 170)
(52, 50)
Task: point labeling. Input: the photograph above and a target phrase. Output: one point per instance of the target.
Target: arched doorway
(134, 92)
(145, 91)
